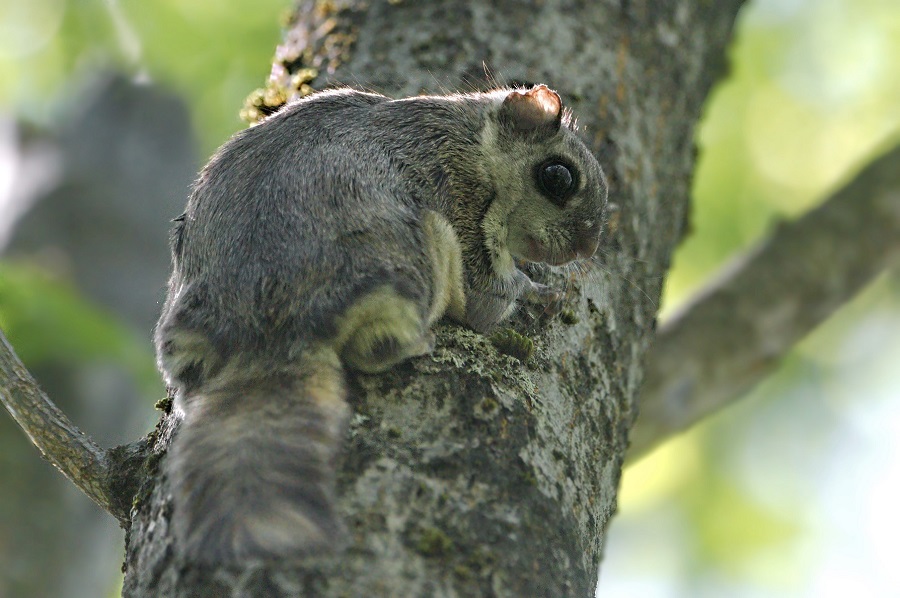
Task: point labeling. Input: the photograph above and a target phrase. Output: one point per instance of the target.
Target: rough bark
(734, 334)
(470, 472)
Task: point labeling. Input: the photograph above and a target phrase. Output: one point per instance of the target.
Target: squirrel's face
(551, 186)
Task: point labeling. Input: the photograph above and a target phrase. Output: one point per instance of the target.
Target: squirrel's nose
(585, 245)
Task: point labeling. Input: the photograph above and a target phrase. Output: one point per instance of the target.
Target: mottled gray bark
(469, 472)
(735, 333)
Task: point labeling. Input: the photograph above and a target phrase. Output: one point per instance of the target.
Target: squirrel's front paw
(551, 299)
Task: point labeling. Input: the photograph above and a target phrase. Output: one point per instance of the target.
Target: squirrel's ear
(537, 108)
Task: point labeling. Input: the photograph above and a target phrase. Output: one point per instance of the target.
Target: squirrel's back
(318, 203)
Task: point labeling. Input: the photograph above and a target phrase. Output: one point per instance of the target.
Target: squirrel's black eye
(556, 180)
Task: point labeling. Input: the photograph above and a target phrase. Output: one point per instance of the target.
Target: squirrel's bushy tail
(252, 466)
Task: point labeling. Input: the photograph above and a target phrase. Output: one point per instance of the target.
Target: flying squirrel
(331, 237)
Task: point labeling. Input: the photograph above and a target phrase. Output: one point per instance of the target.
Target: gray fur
(290, 227)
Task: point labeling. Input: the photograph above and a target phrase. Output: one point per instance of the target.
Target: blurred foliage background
(793, 491)
(789, 493)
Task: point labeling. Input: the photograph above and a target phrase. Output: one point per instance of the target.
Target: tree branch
(61, 443)
(734, 333)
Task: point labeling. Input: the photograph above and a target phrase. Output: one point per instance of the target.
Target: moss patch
(509, 342)
(433, 542)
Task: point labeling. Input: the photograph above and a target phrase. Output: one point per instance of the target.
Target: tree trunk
(470, 472)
